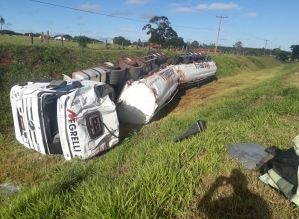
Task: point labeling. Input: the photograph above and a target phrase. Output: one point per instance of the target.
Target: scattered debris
(279, 168)
(247, 153)
(198, 126)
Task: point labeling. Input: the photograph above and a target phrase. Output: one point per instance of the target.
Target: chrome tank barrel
(139, 100)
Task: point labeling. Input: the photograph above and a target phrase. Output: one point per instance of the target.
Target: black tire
(115, 77)
(132, 71)
(129, 60)
(106, 65)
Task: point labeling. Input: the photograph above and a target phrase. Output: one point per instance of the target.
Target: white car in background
(59, 38)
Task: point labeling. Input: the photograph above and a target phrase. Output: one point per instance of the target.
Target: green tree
(162, 32)
(194, 44)
(238, 47)
(2, 21)
(175, 41)
(67, 36)
(295, 52)
(204, 45)
(82, 40)
(275, 51)
(119, 40)
(282, 55)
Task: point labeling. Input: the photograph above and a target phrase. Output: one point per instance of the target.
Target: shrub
(82, 40)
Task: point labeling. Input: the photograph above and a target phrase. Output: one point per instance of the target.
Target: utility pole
(218, 31)
(265, 46)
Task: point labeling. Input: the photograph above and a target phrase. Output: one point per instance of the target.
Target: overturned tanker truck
(144, 85)
(141, 100)
(79, 116)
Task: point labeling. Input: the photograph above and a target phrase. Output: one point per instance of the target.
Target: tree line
(160, 31)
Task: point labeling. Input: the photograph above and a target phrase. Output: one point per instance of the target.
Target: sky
(256, 23)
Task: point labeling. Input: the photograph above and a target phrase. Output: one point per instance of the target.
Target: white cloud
(124, 29)
(100, 33)
(204, 7)
(126, 12)
(88, 7)
(252, 14)
(80, 17)
(147, 15)
(137, 2)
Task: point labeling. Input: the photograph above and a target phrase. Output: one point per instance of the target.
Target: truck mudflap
(139, 101)
(195, 72)
(87, 123)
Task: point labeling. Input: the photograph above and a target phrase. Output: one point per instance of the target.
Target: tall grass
(149, 176)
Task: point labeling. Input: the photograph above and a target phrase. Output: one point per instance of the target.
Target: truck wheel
(127, 59)
(108, 65)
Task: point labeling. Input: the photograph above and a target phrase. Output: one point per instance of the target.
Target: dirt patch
(261, 100)
(291, 79)
(264, 99)
(291, 117)
(192, 96)
(6, 60)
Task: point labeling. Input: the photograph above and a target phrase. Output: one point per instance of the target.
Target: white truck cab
(73, 118)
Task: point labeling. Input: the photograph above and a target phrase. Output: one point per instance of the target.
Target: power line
(203, 9)
(108, 15)
(241, 30)
(238, 38)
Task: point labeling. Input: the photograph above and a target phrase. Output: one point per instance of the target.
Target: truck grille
(30, 125)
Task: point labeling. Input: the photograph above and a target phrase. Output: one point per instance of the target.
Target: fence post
(42, 37)
(62, 40)
(31, 37)
(106, 44)
(48, 36)
(122, 44)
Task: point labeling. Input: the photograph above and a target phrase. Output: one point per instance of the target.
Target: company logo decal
(72, 115)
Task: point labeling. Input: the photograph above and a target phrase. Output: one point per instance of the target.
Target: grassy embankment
(148, 175)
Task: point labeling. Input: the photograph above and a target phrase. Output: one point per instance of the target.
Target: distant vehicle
(59, 38)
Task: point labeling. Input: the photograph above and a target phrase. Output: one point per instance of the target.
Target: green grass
(148, 175)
